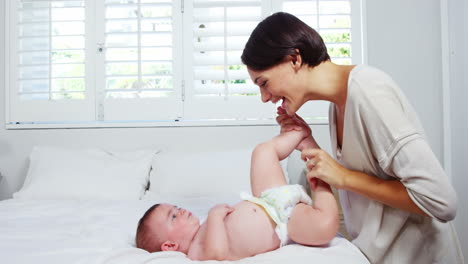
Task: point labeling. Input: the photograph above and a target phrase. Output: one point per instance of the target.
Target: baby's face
(175, 224)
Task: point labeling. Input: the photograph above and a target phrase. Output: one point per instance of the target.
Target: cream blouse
(382, 136)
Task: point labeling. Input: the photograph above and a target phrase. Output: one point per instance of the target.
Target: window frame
(117, 110)
(40, 107)
(358, 47)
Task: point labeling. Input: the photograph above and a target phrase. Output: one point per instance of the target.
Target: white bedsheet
(102, 232)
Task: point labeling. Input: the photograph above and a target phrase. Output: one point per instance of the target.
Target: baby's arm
(216, 243)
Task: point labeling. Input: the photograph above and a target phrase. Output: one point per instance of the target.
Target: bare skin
(296, 83)
(245, 219)
(227, 234)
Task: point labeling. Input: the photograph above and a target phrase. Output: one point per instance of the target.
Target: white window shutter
(220, 87)
(141, 62)
(95, 62)
(48, 79)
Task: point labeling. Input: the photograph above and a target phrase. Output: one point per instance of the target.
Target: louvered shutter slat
(330, 19)
(220, 31)
(44, 43)
(147, 28)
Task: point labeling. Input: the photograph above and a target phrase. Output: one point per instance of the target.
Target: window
(48, 68)
(220, 85)
(338, 22)
(140, 56)
(75, 63)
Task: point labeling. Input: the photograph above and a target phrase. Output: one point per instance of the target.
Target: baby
(275, 215)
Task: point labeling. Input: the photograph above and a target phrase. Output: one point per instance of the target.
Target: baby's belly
(251, 231)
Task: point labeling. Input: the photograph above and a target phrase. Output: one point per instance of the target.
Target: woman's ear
(296, 60)
(169, 246)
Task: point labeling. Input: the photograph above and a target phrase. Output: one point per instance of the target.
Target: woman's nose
(266, 96)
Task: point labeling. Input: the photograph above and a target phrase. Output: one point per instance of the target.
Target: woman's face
(280, 83)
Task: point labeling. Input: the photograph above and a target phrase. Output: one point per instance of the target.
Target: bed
(83, 205)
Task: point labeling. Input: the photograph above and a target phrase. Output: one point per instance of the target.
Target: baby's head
(165, 227)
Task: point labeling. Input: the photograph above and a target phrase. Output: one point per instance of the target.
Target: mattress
(99, 231)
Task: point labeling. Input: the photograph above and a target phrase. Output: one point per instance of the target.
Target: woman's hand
(322, 166)
(295, 122)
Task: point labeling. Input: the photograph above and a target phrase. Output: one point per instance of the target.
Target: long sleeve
(428, 186)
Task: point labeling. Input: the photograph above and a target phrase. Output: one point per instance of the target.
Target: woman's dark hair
(278, 36)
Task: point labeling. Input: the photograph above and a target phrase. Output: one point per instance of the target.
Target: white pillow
(61, 173)
(195, 174)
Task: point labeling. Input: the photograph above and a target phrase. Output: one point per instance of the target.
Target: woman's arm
(390, 192)
(396, 193)
(428, 186)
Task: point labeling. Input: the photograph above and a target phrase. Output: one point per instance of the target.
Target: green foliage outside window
(336, 37)
(339, 51)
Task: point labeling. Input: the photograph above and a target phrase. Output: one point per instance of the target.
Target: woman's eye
(263, 84)
(174, 216)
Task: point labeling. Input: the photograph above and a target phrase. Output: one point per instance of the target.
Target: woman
(395, 196)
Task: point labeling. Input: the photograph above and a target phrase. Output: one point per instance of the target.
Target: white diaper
(278, 203)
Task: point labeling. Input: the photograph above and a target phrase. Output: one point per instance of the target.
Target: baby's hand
(221, 210)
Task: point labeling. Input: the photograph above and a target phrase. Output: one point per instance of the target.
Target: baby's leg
(265, 170)
(316, 224)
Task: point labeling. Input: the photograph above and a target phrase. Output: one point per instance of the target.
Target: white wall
(404, 40)
(15, 145)
(458, 23)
